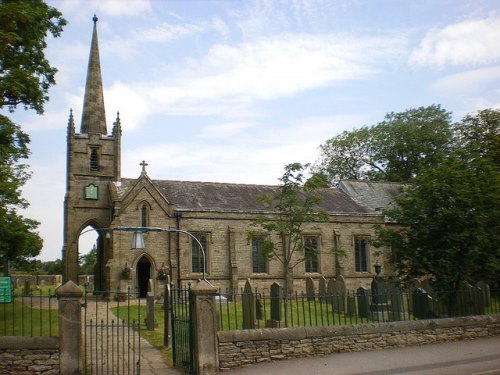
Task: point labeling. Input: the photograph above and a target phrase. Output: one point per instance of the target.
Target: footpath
(151, 360)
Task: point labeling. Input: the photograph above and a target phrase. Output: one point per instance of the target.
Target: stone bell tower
(93, 162)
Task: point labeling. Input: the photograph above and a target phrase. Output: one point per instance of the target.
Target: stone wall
(29, 355)
(247, 347)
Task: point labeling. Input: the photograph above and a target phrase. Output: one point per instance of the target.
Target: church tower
(93, 162)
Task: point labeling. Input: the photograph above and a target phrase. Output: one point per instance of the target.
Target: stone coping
(300, 333)
(25, 342)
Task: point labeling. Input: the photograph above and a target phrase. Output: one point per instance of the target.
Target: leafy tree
(19, 239)
(87, 262)
(450, 214)
(25, 73)
(293, 207)
(25, 77)
(396, 149)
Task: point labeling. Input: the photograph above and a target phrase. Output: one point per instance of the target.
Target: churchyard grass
(32, 315)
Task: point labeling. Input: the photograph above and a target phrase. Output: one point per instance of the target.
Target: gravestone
(330, 290)
(248, 307)
(464, 299)
(276, 295)
(411, 286)
(397, 301)
(150, 312)
(421, 304)
(258, 307)
(339, 294)
(27, 287)
(362, 294)
(310, 293)
(322, 288)
(485, 290)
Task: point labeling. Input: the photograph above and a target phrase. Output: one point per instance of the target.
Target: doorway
(143, 275)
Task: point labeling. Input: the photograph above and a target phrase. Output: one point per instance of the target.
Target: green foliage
(292, 207)
(87, 262)
(19, 240)
(26, 74)
(396, 149)
(25, 77)
(451, 213)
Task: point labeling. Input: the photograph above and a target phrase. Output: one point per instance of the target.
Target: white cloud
(131, 104)
(471, 42)
(121, 7)
(165, 32)
(472, 81)
(275, 67)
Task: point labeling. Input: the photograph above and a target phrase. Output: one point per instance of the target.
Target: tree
(396, 149)
(19, 240)
(293, 207)
(25, 74)
(25, 77)
(87, 262)
(451, 212)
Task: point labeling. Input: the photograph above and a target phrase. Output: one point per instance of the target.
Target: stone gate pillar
(204, 328)
(69, 297)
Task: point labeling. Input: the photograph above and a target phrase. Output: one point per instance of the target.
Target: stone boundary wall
(29, 355)
(247, 347)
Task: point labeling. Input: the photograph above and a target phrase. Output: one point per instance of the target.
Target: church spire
(93, 114)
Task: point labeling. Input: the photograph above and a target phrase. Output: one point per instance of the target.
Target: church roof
(213, 196)
(374, 195)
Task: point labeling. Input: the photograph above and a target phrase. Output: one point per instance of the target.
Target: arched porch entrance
(143, 272)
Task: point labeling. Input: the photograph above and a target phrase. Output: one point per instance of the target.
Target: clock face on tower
(91, 191)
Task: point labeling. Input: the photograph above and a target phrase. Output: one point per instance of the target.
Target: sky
(233, 90)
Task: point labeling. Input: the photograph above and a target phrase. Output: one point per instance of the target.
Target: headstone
(421, 301)
(485, 290)
(397, 302)
(310, 293)
(339, 294)
(362, 294)
(27, 287)
(275, 305)
(150, 311)
(464, 299)
(379, 291)
(330, 289)
(478, 301)
(322, 288)
(248, 307)
(258, 307)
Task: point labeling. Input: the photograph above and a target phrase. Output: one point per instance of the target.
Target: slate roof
(374, 195)
(213, 196)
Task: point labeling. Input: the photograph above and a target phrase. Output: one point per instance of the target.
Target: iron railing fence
(33, 313)
(111, 332)
(180, 321)
(260, 309)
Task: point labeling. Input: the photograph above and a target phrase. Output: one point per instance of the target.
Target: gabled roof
(374, 195)
(213, 196)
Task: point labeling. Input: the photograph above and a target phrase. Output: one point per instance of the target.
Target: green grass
(24, 317)
(138, 313)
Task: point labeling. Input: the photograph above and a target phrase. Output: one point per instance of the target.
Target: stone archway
(143, 274)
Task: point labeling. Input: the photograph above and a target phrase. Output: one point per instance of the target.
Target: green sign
(5, 289)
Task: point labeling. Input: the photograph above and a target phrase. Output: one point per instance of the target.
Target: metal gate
(182, 342)
(111, 333)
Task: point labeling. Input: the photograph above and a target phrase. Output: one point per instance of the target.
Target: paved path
(470, 357)
(107, 345)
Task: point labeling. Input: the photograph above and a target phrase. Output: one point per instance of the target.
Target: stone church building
(218, 215)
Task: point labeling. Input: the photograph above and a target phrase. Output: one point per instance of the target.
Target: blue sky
(232, 91)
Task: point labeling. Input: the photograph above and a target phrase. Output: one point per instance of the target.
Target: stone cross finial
(144, 165)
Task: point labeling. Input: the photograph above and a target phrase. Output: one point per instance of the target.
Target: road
(470, 357)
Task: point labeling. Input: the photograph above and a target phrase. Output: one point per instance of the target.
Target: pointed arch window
(94, 159)
(144, 215)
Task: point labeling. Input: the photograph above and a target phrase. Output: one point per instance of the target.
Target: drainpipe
(177, 216)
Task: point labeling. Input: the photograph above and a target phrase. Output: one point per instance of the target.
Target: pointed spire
(71, 122)
(93, 114)
(117, 125)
